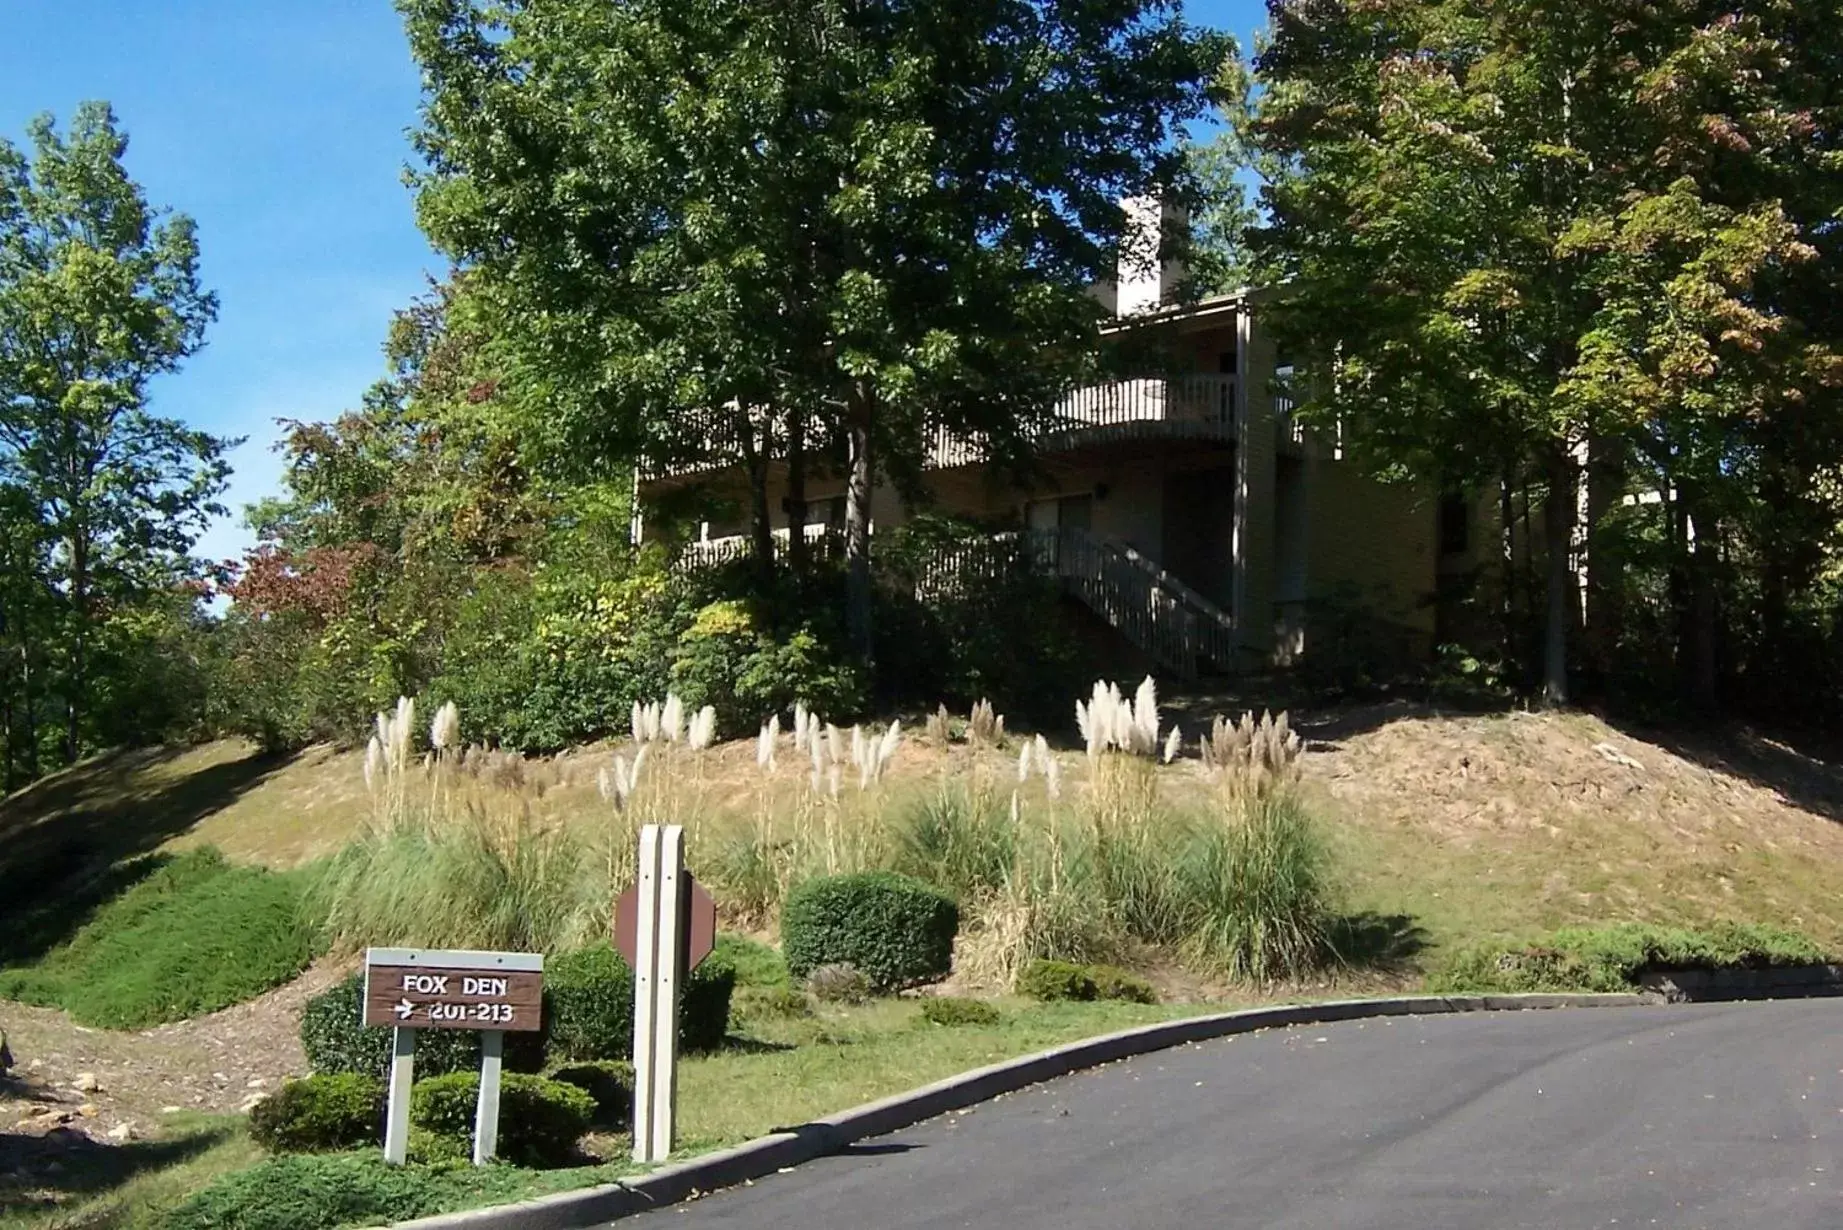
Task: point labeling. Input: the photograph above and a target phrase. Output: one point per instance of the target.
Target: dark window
(1455, 525)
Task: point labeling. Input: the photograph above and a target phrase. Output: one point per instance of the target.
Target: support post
(665, 1007)
(397, 1115)
(486, 1110)
(646, 969)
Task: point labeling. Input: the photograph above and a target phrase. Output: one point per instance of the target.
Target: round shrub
(898, 930)
(335, 1041)
(320, 1114)
(1112, 983)
(589, 995)
(610, 1082)
(1056, 980)
(540, 1121)
(947, 1010)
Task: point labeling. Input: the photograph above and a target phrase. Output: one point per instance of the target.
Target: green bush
(1056, 980)
(609, 1082)
(1257, 893)
(756, 964)
(540, 1120)
(320, 1114)
(1117, 984)
(195, 936)
(1612, 958)
(590, 998)
(948, 1010)
(1063, 980)
(336, 1041)
(898, 930)
(729, 660)
(312, 1192)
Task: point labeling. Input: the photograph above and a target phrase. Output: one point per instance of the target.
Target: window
(1455, 525)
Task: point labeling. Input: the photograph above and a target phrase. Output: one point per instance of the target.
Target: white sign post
(656, 990)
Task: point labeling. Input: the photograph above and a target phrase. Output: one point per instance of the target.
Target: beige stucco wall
(1376, 537)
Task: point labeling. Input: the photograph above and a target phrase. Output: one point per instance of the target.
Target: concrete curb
(767, 1155)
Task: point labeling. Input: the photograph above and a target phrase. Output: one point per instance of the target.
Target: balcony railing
(1203, 402)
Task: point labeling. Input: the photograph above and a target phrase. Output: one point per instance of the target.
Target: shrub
(320, 1114)
(540, 1121)
(947, 1010)
(1117, 984)
(1611, 958)
(590, 1004)
(728, 660)
(336, 1041)
(898, 930)
(1056, 980)
(609, 1082)
(309, 1192)
(1063, 980)
(756, 964)
(841, 983)
(195, 936)
(1257, 890)
(960, 838)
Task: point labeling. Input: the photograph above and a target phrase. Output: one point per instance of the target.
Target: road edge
(766, 1155)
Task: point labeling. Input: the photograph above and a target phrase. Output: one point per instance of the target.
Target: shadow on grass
(1387, 943)
(738, 1044)
(77, 840)
(44, 1171)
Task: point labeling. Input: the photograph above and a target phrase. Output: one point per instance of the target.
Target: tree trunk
(796, 492)
(761, 527)
(1605, 606)
(77, 685)
(1558, 538)
(857, 524)
(1507, 514)
(1699, 654)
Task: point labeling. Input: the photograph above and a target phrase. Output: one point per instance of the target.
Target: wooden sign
(697, 923)
(421, 988)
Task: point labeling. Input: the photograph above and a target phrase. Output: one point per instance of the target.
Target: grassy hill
(1451, 828)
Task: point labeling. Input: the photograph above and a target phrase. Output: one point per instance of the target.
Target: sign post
(414, 988)
(664, 925)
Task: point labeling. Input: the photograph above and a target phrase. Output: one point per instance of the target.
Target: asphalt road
(1720, 1116)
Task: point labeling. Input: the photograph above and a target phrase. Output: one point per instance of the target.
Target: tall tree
(875, 218)
(1523, 236)
(98, 294)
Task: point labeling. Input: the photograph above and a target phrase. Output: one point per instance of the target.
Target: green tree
(99, 293)
(1522, 238)
(864, 220)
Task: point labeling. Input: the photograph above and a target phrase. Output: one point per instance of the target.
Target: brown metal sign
(697, 923)
(419, 988)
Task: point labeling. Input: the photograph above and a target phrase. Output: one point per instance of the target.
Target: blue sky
(280, 127)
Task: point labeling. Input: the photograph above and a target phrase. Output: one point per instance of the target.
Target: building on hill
(1183, 508)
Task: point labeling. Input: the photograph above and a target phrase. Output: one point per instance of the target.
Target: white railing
(822, 541)
(1152, 399)
(1153, 610)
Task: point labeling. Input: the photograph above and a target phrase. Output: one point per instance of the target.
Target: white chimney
(1145, 283)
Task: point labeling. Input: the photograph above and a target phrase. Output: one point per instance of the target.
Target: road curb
(767, 1155)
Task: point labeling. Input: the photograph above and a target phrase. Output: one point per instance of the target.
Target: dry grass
(1476, 826)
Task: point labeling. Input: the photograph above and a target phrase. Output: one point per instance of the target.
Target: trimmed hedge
(947, 1010)
(610, 1082)
(336, 1041)
(1611, 958)
(540, 1121)
(897, 929)
(320, 1114)
(589, 995)
(1063, 980)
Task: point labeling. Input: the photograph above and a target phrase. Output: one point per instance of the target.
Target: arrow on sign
(404, 1008)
